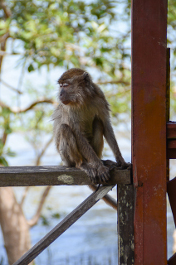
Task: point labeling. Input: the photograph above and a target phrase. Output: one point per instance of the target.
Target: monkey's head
(76, 87)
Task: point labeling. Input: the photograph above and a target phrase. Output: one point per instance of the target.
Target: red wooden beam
(171, 140)
(149, 24)
(171, 189)
(171, 130)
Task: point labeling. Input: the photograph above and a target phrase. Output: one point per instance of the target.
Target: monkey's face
(75, 87)
(65, 94)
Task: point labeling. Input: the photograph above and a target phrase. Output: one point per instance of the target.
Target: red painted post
(149, 24)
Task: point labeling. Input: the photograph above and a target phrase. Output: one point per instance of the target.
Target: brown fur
(80, 122)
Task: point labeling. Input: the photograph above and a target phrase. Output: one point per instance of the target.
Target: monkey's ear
(86, 77)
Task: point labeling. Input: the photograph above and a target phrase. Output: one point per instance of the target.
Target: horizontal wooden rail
(63, 225)
(171, 140)
(55, 175)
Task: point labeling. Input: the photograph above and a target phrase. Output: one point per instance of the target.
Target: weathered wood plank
(125, 224)
(171, 130)
(63, 225)
(54, 175)
(149, 117)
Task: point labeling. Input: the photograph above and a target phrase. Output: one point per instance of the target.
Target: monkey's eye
(65, 84)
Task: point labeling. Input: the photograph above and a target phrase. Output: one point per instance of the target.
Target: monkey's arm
(111, 140)
(92, 164)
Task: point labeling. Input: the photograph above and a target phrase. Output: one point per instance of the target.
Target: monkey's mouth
(65, 102)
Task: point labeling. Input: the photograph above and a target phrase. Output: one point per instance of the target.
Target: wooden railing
(54, 175)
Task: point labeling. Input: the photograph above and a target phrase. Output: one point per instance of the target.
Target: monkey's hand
(96, 174)
(102, 174)
(111, 164)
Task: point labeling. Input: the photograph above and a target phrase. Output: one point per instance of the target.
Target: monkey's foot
(103, 174)
(96, 175)
(124, 165)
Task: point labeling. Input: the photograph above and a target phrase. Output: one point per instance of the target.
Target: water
(93, 235)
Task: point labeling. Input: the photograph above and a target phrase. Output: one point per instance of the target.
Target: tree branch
(113, 82)
(36, 217)
(4, 137)
(6, 10)
(11, 87)
(3, 39)
(43, 151)
(107, 198)
(49, 101)
(24, 195)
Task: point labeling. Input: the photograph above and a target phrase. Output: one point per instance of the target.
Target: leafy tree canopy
(67, 33)
(94, 35)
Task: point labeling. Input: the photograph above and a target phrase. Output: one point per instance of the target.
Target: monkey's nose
(61, 93)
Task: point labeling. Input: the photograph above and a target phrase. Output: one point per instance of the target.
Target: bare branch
(11, 87)
(36, 217)
(107, 198)
(3, 38)
(43, 151)
(120, 81)
(24, 195)
(4, 138)
(48, 101)
(7, 11)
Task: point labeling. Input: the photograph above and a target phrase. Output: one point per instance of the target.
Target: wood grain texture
(54, 175)
(149, 117)
(63, 225)
(125, 224)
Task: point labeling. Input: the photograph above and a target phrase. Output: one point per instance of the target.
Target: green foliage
(61, 33)
(56, 215)
(94, 35)
(70, 34)
(46, 219)
(5, 124)
(3, 161)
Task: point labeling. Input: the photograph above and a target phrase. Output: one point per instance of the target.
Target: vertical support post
(125, 224)
(149, 30)
(168, 101)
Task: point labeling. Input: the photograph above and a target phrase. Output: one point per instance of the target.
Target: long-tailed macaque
(80, 122)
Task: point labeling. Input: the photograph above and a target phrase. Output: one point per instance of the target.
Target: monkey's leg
(68, 148)
(76, 151)
(97, 172)
(111, 140)
(97, 140)
(71, 156)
